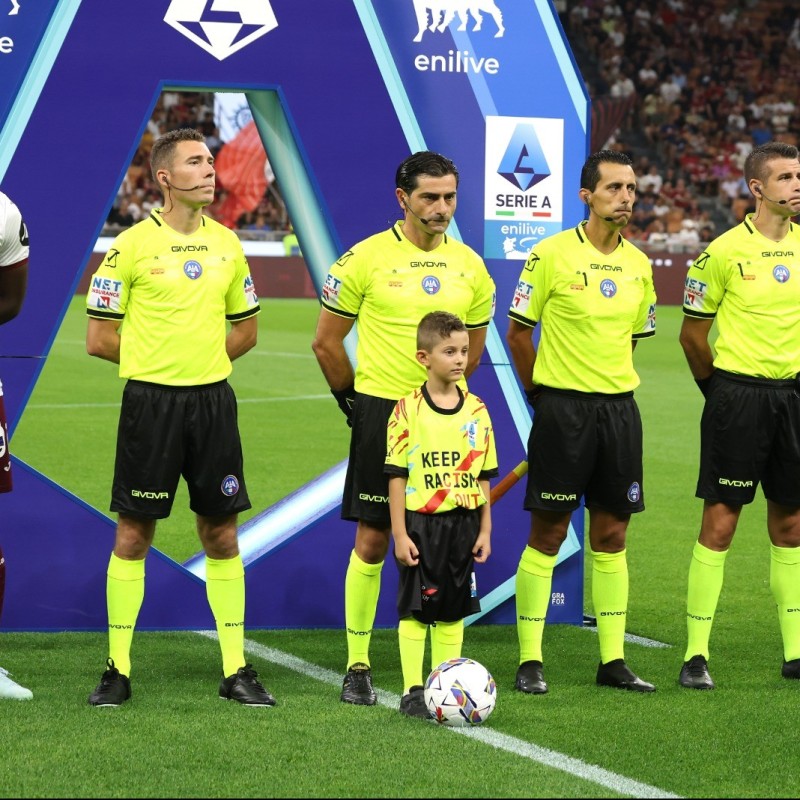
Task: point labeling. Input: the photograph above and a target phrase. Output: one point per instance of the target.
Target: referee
(592, 291)
(384, 285)
(159, 305)
(748, 280)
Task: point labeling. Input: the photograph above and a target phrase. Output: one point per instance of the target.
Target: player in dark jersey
(593, 293)
(384, 285)
(440, 458)
(14, 253)
(178, 280)
(748, 280)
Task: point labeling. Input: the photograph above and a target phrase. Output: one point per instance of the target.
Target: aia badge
(192, 270)
(431, 284)
(230, 485)
(608, 288)
(781, 273)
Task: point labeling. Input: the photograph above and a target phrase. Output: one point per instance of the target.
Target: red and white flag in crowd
(243, 170)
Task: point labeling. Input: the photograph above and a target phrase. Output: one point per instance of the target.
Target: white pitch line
(500, 741)
(633, 638)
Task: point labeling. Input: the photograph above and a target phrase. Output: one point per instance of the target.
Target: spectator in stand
(122, 216)
(643, 213)
(760, 132)
(656, 234)
(650, 182)
(259, 223)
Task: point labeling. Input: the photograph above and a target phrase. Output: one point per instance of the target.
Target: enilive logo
(221, 27)
(442, 13)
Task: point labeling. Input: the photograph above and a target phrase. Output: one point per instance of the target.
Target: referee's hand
(532, 393)
(345, 398)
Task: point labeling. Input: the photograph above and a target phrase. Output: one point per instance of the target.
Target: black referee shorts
(750, 433)
(366, 488)
(169, 431)
(441, 588)
(585, 444)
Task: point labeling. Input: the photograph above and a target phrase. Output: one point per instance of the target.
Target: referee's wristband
(703, 384)
(345, 398)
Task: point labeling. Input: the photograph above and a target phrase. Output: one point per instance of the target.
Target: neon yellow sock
(411, 635)
(610, 599)
(225, 592)
(447, 639)
(706, 573)
(124, 596)
(362, 585)
(784, 580)
(533, 586)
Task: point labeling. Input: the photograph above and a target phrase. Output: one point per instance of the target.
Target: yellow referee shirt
(388, 284)
(591, 306)
(751, 285)
(174, 293)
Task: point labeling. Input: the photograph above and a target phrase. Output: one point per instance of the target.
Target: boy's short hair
(436, 326)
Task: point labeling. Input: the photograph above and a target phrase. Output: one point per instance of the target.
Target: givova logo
(436, 15)
(221, 27)
(524, 199)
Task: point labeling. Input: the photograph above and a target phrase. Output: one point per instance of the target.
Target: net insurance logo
(221, 28)
(523, 201)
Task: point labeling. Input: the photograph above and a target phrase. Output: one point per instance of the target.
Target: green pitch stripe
(499, 741)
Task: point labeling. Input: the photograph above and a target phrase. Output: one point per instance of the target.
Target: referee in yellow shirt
(592, 293)
(748, 280)
(173, 303)
(384, 286)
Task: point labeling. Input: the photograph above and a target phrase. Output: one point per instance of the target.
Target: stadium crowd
(700, 85)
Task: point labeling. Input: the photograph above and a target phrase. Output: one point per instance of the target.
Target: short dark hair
(590, 174)
(425, 162)
(163, 149)
(755, 165)
(436, 326)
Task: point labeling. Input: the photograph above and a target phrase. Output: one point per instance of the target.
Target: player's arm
(523, 353)
(328, 347)
(13, 283)
(241, 337)
(483, 546)
(696, 346)
(103, 339)
(477, 341)
(404, 548)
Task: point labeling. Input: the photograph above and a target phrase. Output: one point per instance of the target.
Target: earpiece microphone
(179, 188)
(421, 219)
(779, 202)
(591, 208)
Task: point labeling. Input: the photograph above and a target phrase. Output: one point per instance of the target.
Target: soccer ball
(460, 692)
